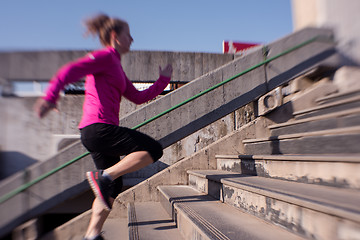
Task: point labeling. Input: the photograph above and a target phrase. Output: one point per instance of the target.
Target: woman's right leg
(98, 217)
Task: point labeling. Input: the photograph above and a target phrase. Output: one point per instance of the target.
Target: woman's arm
(69, 73)
(154, 90)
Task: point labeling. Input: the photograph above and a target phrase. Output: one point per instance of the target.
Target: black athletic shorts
(107, 143)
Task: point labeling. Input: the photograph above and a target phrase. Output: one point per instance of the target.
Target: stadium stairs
(300, 182)
(272, 173)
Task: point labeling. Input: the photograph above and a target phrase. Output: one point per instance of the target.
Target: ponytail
(102, 25)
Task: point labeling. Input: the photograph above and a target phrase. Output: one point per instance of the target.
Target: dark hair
(102, 25)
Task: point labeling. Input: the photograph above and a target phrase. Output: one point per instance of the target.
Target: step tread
(338, 131)
(328, 105)
(337, 95)
(116, 228)
(340, 202)
(316, 118)
(353, 158)
(152, 222)
(223, 221)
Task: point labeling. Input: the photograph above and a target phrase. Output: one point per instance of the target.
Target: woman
(105, 84)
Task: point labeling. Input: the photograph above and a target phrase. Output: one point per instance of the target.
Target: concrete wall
(138, 65)
(340, 15)
(26, 139)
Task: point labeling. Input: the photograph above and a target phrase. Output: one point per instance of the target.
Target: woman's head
(111, 31)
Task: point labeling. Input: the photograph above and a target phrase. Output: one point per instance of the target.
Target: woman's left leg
(131, 163)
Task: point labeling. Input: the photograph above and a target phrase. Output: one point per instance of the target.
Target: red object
(236, 47)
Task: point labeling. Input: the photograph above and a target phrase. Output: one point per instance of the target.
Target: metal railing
(42, 177)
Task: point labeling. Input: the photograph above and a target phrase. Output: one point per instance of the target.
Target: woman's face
(123, 40)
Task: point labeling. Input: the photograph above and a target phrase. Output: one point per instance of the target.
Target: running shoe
(98, 237)
(100, 186)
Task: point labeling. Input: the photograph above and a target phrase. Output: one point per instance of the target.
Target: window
(32, 88)
(143, 86)
(29, 88)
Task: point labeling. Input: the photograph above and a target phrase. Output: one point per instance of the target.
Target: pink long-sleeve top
(106, 82)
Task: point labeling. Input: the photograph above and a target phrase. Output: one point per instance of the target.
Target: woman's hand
(42, 107)
(166, 72)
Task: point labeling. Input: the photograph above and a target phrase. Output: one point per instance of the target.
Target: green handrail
(42, 177)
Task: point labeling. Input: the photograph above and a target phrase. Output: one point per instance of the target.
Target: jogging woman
(105, 84)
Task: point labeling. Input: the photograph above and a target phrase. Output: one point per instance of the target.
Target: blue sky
(165, 25)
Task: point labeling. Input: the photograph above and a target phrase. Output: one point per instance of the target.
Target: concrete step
(347, 103)
(337, 96)
(114, 228)
(312, 211)
(332, 141)
(330, 170)
(345, 118)
(149, 221)
(200, 216)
